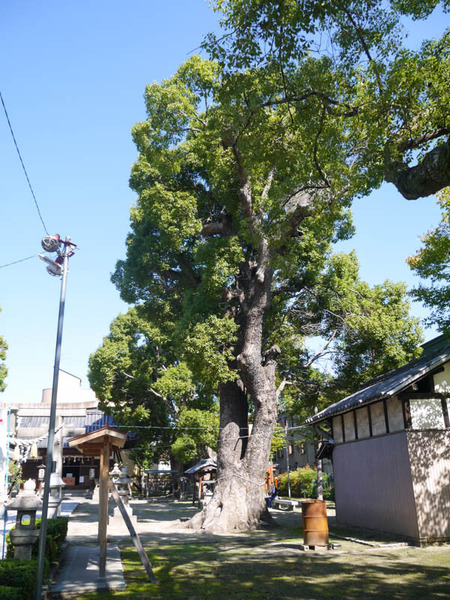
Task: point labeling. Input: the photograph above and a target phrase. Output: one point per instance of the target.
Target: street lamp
(59, 266)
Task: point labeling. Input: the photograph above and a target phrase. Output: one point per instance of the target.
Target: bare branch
(281, 387)
(414, 143)
(321, 352)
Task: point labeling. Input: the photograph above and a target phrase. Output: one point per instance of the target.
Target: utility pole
(287, 457)
(58, 267)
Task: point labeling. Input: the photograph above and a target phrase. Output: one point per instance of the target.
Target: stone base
(117, 518)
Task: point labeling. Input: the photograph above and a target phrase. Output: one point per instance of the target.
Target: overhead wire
(18, 261)
(22, 163)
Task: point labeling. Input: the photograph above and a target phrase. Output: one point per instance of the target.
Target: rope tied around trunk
(243, 479)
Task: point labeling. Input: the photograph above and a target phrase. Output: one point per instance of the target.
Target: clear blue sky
(72, 77)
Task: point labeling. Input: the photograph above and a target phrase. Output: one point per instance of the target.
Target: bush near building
(304, 484)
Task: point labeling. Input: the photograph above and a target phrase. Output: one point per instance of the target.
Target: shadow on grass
(205, 571)
(191, 571)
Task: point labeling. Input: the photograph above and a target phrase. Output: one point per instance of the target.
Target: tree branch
(428, 177)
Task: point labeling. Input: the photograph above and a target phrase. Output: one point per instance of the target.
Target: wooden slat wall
(373, 485)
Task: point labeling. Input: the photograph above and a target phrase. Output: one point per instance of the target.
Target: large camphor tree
(247, 167)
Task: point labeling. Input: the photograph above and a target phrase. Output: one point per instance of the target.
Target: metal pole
(5, 516)
(51, 428)
(287, 459)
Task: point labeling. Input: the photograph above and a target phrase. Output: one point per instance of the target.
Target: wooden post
(134, 536)
(101, 442)
(103, 506)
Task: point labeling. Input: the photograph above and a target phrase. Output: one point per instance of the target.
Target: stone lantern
(54, 499)
(25, 533)
(123, 486)
(115, 473)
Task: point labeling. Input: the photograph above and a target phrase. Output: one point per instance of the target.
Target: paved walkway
(78, 572)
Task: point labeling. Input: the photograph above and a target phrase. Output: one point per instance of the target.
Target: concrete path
(78, 571)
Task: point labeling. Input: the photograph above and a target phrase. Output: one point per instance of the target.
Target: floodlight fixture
(51, 243)
(53, 267)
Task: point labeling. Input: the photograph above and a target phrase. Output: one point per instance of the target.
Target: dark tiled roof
(204, 463)
(93, 420)
(435, 354)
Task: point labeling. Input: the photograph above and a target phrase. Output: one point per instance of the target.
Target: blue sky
(72, 77)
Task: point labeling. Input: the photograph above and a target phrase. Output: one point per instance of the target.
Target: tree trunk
(238, 502)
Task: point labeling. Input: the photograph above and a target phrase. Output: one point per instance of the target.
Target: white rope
(243, 479)
(25, 443)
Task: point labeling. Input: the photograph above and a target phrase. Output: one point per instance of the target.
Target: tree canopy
(397, 98)
(141, 379)
(432, 263)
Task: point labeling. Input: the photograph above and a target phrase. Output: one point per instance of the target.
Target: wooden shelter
(101, 443)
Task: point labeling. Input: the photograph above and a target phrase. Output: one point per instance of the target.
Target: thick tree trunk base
(236, 505)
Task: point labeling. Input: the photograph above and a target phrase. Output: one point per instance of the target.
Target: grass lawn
(269, 565)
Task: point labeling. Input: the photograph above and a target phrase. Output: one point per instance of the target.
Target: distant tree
(139, 379)
(432, 262)
(365, 332)
(3, 369)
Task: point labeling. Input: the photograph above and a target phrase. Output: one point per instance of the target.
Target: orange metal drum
(315, 523)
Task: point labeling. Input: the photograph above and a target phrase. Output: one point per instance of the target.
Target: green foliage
(56, 534)
(363, 332)
(432, 262)
(278, 439)
(10, 593)
(140, 378)
(198, 432)
(3, 369)
(209, 349)
(396, 99)
(20, 574)
(303, 483)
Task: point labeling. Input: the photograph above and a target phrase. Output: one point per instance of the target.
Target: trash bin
(315, 523)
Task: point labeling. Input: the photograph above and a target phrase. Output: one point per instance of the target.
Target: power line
(17, 261)
(22, 163)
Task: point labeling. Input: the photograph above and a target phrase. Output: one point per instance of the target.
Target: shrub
(304, 484)
(56, 534)
(10, 593)
(21, 575)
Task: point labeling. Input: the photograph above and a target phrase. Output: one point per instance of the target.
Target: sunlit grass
(223, 572)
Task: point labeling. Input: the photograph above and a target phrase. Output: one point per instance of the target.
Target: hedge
(304, 484)
(18, 578)
(10, 593)
(56, 534)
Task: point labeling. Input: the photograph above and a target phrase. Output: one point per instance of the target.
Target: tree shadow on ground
(208, 572)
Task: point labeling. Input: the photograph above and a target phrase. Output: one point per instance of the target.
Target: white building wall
(378, 419)
(362, 422)
(442, 380)
(395, 414)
